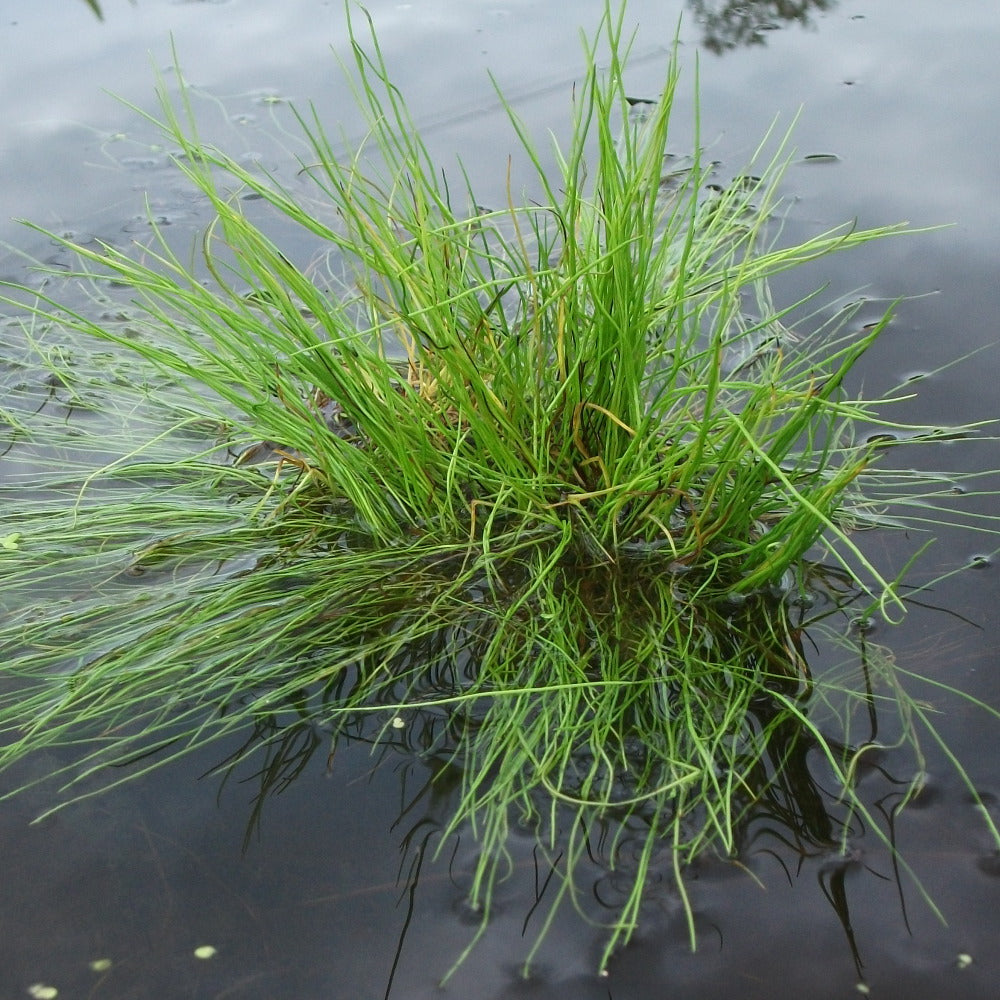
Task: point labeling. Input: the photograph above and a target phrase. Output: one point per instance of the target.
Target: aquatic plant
(551, 486)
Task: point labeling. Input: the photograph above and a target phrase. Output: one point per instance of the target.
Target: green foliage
(555, 478)
(609, 358)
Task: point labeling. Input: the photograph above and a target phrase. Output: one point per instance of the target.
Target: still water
(332, 890)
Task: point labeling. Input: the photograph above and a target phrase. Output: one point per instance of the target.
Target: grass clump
(554, 478)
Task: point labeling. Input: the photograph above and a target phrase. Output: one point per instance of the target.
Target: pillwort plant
(555, 481)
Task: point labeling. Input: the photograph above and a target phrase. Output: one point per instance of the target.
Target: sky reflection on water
(902, 93)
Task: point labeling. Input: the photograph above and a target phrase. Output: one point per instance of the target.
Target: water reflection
(733, 23)
(792, 815)
(725, 24)
(840, 875)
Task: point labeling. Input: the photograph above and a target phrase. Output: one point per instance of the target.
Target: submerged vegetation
(552, 487)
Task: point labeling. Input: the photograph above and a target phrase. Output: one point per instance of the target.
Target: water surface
(321, 900)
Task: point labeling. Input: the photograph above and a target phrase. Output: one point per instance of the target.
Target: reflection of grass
(549, 472)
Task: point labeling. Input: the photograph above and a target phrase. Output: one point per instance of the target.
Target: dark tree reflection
(727, 24)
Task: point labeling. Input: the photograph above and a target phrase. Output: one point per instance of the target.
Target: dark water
(322, 900)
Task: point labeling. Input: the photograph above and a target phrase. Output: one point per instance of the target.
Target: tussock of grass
(556, 475)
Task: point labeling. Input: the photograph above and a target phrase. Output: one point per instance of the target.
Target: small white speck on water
(964, 960)
(399, 722)
(204, 952)
(42, 991)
